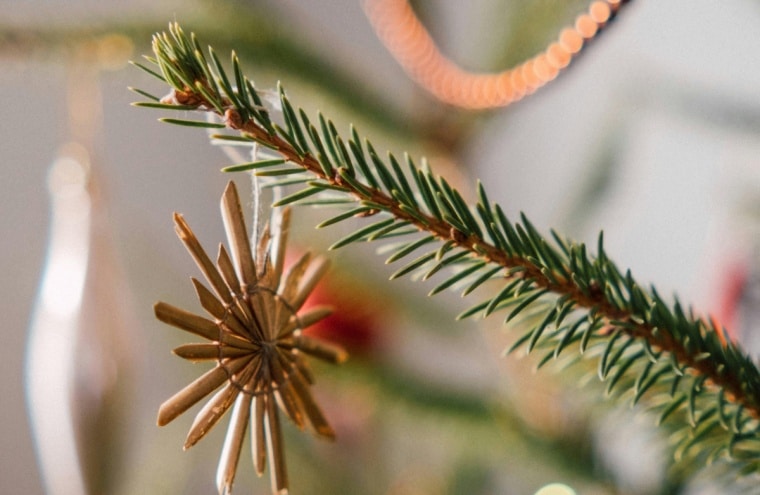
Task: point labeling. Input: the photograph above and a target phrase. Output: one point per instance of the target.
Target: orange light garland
(406, 38)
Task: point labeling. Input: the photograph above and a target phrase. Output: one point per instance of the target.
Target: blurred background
(652, 134)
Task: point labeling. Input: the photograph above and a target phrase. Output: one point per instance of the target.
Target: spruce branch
(701, 383)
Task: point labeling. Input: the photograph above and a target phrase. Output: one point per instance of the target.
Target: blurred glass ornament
(78, 352)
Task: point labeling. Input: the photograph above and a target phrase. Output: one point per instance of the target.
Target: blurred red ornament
(355, 321)
(732, 290)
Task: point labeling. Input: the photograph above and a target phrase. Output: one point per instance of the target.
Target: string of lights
(402, 32)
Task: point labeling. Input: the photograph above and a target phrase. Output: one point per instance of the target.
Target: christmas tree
(426, 403)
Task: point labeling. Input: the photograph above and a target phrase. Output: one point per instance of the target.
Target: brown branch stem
(592, 300)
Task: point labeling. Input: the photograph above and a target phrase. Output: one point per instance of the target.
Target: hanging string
(236, 156)
(399, 28)
(258, 186)
(256, 194)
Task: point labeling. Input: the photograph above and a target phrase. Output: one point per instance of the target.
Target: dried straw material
(255, 336)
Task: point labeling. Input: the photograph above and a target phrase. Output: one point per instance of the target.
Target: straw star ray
(255, 337)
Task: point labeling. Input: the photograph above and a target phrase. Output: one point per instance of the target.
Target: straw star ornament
(255, 338)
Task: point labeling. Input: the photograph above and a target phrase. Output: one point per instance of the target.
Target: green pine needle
(192, 123)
